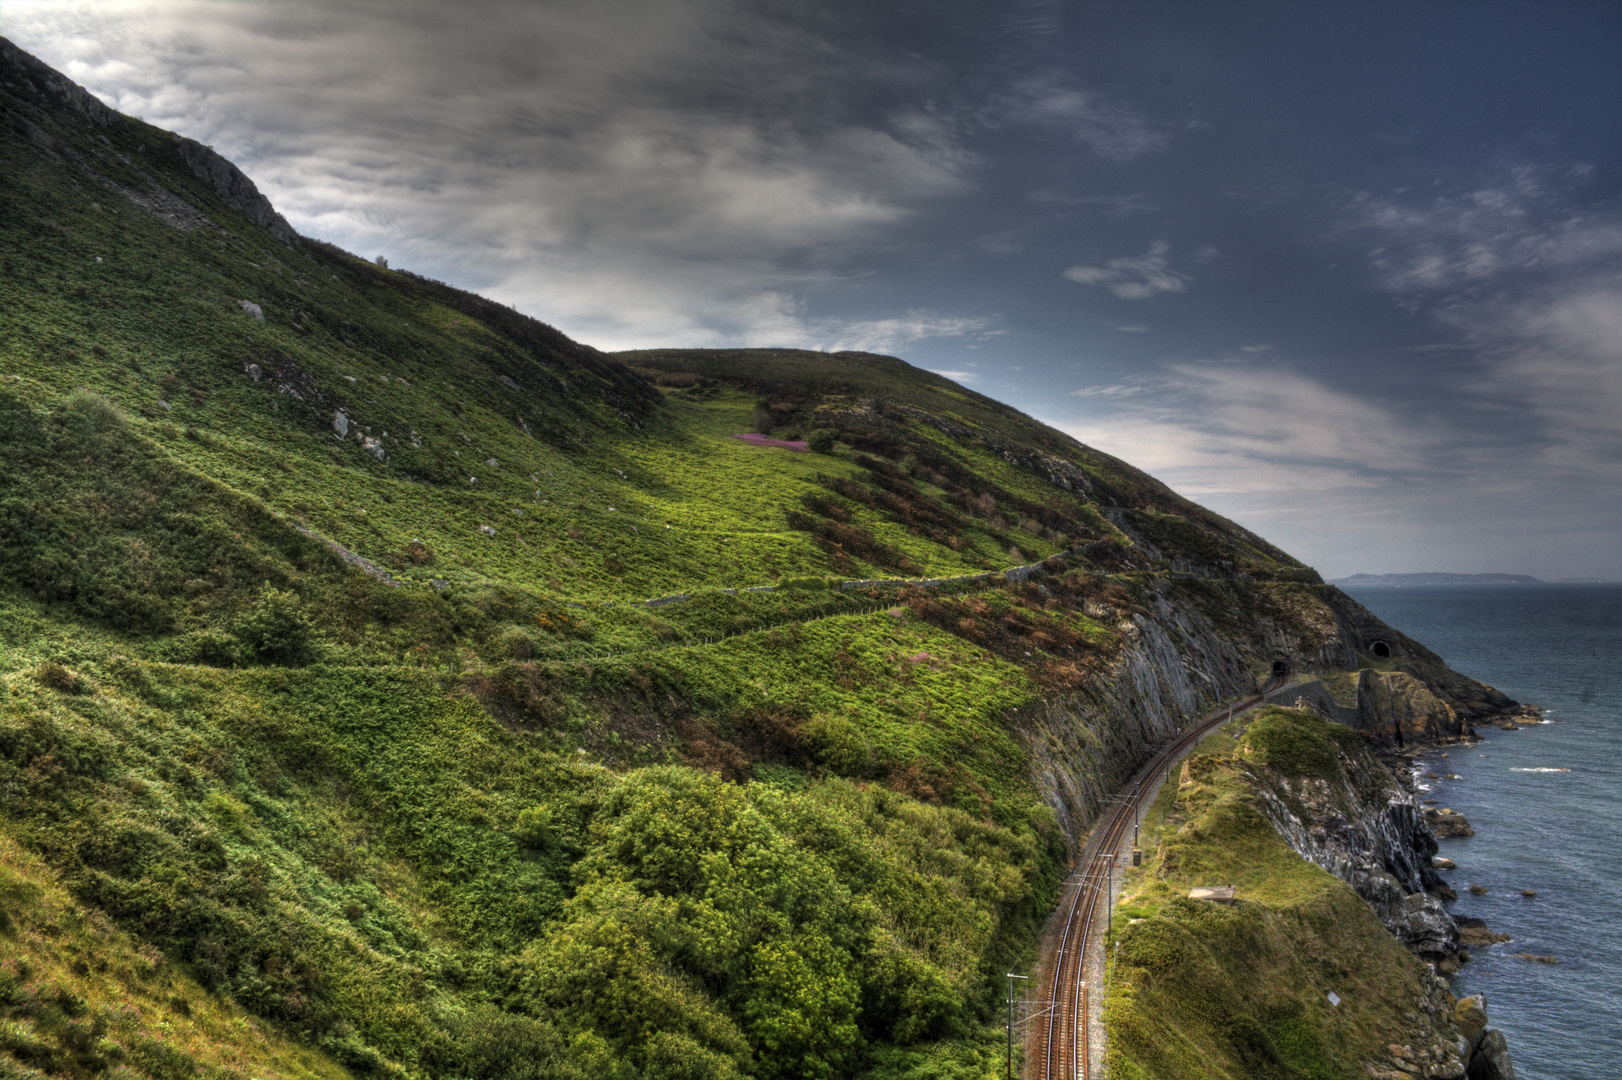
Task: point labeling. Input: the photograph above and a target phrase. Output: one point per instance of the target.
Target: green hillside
(334, 712)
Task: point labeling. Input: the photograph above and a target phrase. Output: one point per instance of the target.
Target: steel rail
(1067, 993)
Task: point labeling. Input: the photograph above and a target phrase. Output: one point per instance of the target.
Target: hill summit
(392, 685)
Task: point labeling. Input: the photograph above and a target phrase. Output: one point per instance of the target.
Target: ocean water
(1546, 804)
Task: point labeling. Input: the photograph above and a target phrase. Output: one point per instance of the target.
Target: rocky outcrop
(1474, 702)
(45, 79)
(1397, 709)
(234, 188)
(1381, 847)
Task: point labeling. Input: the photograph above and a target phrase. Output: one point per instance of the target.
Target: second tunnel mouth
(1380, 649)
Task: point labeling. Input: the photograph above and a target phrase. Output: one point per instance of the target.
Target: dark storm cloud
(1350, 273)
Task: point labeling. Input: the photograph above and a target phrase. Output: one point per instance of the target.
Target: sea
(1546, 805)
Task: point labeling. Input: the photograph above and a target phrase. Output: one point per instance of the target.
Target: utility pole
(1011, 978)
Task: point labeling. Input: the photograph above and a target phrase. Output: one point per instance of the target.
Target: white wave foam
(1539, 770)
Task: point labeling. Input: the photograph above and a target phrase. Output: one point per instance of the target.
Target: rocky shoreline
(1374, 832)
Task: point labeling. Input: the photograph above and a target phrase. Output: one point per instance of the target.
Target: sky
(1349, 274)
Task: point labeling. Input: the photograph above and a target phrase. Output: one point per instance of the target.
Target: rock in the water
(1444, 863)
(1491, 1060)
(1474, 931)
(1445, 823)
(253, 309)
(1529, 892)
(1478, 890)
(340, 423)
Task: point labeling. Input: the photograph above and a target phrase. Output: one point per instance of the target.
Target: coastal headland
(391, 685)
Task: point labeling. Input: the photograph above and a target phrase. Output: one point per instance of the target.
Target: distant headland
(1397, 581)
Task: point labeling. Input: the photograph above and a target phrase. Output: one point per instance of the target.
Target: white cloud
(1133, 278)
(887, 335)
(1109, 127)
(956, 376)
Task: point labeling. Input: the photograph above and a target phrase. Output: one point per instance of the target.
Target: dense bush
(276, 630)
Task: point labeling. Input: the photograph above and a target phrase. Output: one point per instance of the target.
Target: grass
(79, 997)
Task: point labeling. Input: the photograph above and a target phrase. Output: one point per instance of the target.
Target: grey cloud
(627, 170)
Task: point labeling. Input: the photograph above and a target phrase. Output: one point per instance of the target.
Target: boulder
(374, 447)
(1491, 1059)
(340, 423)
(1423, 924)
(1470, 1017)
(253, 372)
(252, 309)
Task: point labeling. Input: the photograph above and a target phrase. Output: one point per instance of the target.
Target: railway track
(1063, 1053)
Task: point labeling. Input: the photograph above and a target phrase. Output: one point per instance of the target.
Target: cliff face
(232, 185)
(1190, 644)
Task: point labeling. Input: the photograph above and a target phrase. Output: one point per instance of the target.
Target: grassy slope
(402, 824)
(1201, 989)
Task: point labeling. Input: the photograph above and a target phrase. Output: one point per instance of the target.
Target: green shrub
(534, 827)
(58, 677)
(277, 631)
(821, 441)
(212, 647)
(513, 643)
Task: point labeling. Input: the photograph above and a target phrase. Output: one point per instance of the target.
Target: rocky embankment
(1367, 828)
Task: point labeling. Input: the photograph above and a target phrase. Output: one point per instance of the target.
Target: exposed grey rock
(234, 188)
(169, 208)
(487, 530)
(340, 423)
(373, 446)
(252, 309)
(253, 371)
(508, 383)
